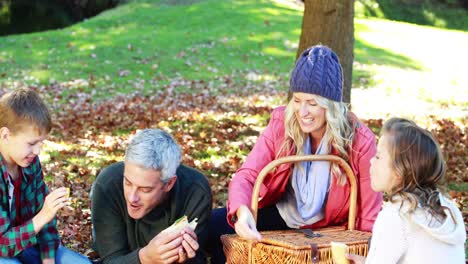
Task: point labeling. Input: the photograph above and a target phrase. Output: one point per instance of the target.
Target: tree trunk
(330, 22)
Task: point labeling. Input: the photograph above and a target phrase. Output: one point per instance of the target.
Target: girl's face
(309, 114)
(383, 177)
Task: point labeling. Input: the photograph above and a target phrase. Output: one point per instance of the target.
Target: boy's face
(21, 147)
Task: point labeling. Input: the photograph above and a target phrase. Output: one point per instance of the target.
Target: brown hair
(418, 161)
(24, 107)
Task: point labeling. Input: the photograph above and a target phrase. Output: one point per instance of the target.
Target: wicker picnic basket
(300, 245)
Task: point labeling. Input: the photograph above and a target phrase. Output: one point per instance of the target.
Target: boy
(28, 232)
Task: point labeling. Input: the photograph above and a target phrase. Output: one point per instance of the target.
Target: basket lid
(296, 239)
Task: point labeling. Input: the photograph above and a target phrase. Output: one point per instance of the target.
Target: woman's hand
(245, 225)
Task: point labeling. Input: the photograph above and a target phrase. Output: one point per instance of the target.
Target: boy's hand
(55, 201)
(52, 203)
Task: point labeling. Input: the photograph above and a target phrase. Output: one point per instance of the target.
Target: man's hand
(189, 245)
(245, 226)
(163, 248)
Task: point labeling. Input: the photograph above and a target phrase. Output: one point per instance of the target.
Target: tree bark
(331, 23)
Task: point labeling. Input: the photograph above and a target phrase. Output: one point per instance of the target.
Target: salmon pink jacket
(274, 184)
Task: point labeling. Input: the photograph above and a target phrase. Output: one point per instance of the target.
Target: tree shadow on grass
(366, 55)
(180, 2)
(420, 12)
(262, 38)
(369, 54)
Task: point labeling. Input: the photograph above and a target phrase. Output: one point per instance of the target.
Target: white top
(11, 191)
(399, 237)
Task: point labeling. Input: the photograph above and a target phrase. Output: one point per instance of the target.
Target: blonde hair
(339, 132)
(23, 107)
(418, 161)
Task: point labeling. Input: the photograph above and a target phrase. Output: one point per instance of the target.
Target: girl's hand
(356, 259)
(48, 261)
(245, 225)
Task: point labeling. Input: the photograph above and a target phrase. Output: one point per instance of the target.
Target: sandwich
(338, 252)
(181, 223)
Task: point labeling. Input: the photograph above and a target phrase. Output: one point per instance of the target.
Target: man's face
(143, 189)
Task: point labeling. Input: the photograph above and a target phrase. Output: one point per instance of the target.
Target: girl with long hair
(419, 223)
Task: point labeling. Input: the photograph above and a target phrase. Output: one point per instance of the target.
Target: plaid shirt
(16, 237)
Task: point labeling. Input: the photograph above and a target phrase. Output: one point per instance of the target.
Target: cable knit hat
(318, 71)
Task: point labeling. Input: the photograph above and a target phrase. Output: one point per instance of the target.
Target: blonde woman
(307, 194)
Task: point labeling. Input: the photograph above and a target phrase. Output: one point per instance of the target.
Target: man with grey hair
(135, 201)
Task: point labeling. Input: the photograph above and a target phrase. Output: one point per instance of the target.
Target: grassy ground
(146, 45)
(425, 12)
(417, 68)
(238, 47)
(235, 58)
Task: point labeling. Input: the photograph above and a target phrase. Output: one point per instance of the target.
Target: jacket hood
(450, 231)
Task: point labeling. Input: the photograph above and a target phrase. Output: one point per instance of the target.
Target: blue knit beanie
(318, 71)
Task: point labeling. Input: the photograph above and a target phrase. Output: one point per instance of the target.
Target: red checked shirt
(16, 227)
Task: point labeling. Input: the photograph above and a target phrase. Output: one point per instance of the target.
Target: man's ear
(4, 133)
(170, 184)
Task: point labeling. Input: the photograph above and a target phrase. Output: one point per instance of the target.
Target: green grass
(148, 44)
(428, 12)
(460, 187)
(144, 46)
(410, 61)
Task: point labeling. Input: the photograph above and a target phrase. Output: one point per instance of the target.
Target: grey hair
(154, 149)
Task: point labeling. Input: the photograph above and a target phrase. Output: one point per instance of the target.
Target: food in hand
(67, 195)
(338, 252)
(181, 223)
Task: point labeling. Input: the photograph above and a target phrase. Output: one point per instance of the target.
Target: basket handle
(289, 159)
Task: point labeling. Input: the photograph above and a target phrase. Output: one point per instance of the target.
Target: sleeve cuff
(231, 215)
(30, 233)
(49, 250)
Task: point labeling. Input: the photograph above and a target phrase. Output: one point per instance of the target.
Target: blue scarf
(304, 200)
(310, 183)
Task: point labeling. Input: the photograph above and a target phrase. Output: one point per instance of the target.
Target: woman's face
(309, 114)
